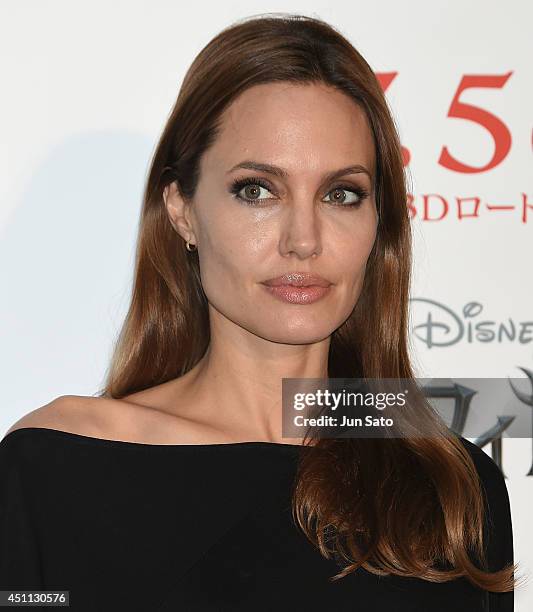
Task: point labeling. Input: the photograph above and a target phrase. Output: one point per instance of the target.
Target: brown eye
(251, 192)
(338, 196)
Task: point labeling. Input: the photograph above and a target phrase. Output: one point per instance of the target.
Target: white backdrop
(86, 89)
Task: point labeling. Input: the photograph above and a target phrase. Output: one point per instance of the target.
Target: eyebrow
(281, 173)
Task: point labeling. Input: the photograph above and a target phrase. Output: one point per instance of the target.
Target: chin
(300, 334)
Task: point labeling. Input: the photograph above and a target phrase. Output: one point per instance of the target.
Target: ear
(178, 212)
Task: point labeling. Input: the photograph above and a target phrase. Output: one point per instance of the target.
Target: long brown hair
(345, 488)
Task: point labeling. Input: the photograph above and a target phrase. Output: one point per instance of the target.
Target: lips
(298, 279)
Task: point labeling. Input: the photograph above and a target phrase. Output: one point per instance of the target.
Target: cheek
(233, 235)
(352, 242)
(231, 251)
(351, 247)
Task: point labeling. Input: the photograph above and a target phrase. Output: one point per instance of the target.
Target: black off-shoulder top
(195, 528)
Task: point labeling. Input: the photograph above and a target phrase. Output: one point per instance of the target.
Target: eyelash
(239, 184)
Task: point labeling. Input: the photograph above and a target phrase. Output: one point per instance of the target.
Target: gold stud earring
(190, 247)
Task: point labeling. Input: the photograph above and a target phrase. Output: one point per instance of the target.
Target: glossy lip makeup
(298, 287)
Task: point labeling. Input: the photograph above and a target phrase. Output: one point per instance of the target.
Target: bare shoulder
(79, 414)
(136, 418)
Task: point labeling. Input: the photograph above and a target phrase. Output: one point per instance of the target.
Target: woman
(274, 243)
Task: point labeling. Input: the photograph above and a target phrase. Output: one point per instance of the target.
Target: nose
(300, 232)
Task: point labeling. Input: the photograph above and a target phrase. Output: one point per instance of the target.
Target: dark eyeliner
(238, 184)
(359, 191)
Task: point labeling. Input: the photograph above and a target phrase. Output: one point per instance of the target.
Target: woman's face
(298, 219)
